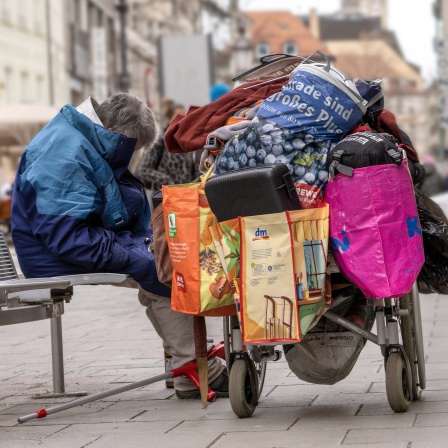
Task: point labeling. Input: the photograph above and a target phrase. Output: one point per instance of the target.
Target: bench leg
(57, 355)
(57, 361)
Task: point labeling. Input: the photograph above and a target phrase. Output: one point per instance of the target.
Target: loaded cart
(399, 336)
(310, 322)
(317, 231)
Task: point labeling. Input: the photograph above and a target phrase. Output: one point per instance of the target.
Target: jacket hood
(115, 148)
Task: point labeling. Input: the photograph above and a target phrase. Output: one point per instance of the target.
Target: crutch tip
(41, 413)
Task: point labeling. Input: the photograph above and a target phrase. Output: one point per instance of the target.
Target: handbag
(199, 285)
(376, 238)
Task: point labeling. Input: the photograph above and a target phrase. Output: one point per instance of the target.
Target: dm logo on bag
(260, 234)
(172, 229)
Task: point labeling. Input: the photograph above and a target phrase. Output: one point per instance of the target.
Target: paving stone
(283, 439)
(317, 417)
(279, 420)
(276, 401)
(431, 444)
(66, 442)
(112, 428)
(369, 444)
(109, 346)
(430, 436)
(431, 385)
(438, 419)
(291, 391)
(416, 407)
(429, 395)
(350, 399)
(28, 432)
(147, 439)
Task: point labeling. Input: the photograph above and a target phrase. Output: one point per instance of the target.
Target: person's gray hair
(129, 115)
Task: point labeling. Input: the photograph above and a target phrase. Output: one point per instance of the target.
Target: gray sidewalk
(108, 342)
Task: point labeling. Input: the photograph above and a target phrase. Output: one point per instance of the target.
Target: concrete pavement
(108, 342)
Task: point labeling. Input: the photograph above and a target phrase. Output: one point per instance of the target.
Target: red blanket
(386, 122)
(189, 132)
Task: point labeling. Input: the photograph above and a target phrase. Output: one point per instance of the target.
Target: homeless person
(77, 209)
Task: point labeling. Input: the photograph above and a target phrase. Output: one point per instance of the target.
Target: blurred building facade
(57, 51)
(23, 58)
(441, 47)
(363, 48)
(367, 8)
(274, 32)
(23, 70)
(358, 40)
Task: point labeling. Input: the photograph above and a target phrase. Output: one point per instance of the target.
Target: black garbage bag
(433, 277)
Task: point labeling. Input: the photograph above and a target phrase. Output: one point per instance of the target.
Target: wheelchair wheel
(240, 389)
(407, 334)
(398, 383)
(418, 336)
(256, 353)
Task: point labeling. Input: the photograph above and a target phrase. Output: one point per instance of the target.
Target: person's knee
(144, 299)
(143, 270)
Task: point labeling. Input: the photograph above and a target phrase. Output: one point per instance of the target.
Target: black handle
(269, 58)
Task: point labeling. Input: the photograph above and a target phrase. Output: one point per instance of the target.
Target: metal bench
(31, 299)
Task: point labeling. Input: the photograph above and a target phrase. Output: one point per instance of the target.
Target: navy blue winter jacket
(76, 208)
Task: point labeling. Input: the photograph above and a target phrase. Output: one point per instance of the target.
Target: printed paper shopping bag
(310, 230)
(283, 273)
(199, 284)
(376, 238)
(268, 300)
(227, 240)
(226, 237)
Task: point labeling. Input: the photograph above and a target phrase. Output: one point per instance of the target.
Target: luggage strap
(337, 165)
(396, 155)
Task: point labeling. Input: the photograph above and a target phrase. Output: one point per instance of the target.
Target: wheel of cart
(247, 368)
(405, 366)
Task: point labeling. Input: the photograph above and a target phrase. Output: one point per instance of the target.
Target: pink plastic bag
(375, 233)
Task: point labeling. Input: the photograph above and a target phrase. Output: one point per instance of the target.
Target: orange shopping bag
(199, 283)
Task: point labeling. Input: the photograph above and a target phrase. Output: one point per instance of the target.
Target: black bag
(363, 149)
(433, 277)
(252, 191)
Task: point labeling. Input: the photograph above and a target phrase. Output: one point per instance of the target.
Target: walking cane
(190, 370)
(200, 345)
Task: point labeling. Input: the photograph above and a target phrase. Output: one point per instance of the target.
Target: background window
(24, 87)
(262, 50)
(9, 87)
(290, 48)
